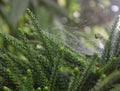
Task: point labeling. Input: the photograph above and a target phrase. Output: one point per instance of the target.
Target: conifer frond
(110, 66)
(25, 49)
(115, 88)
(40, 69)
(112, 45)
(105, 83)
(78, 81)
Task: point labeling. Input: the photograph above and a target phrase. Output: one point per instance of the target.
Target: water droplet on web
(115, 8)
(38, 46)
(118, 26)
(101, 45)
(76, 14)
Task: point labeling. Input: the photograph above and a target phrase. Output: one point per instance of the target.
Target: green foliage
(39, 69)
(105, 83)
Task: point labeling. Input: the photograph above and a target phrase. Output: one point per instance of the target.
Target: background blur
(82, 24)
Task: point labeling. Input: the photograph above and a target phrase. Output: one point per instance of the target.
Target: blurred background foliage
(81, 24)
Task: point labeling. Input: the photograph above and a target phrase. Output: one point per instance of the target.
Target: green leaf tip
(96, 70)
(6, 88)
(29, 72)
(27, 9)
(61, 48)
(76, 70)
(29, 12)
(114, 58)
(46, 88)
(103, 76)
(38, 89)
(8, 70)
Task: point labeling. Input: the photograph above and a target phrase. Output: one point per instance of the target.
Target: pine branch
(78, 83)
(109, 48)
(15, 78)
(29, 79)
(110, 66)
(105, 83)
(116, 88)
(32, 56)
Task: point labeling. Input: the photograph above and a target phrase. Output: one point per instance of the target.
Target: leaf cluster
(55, 66)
